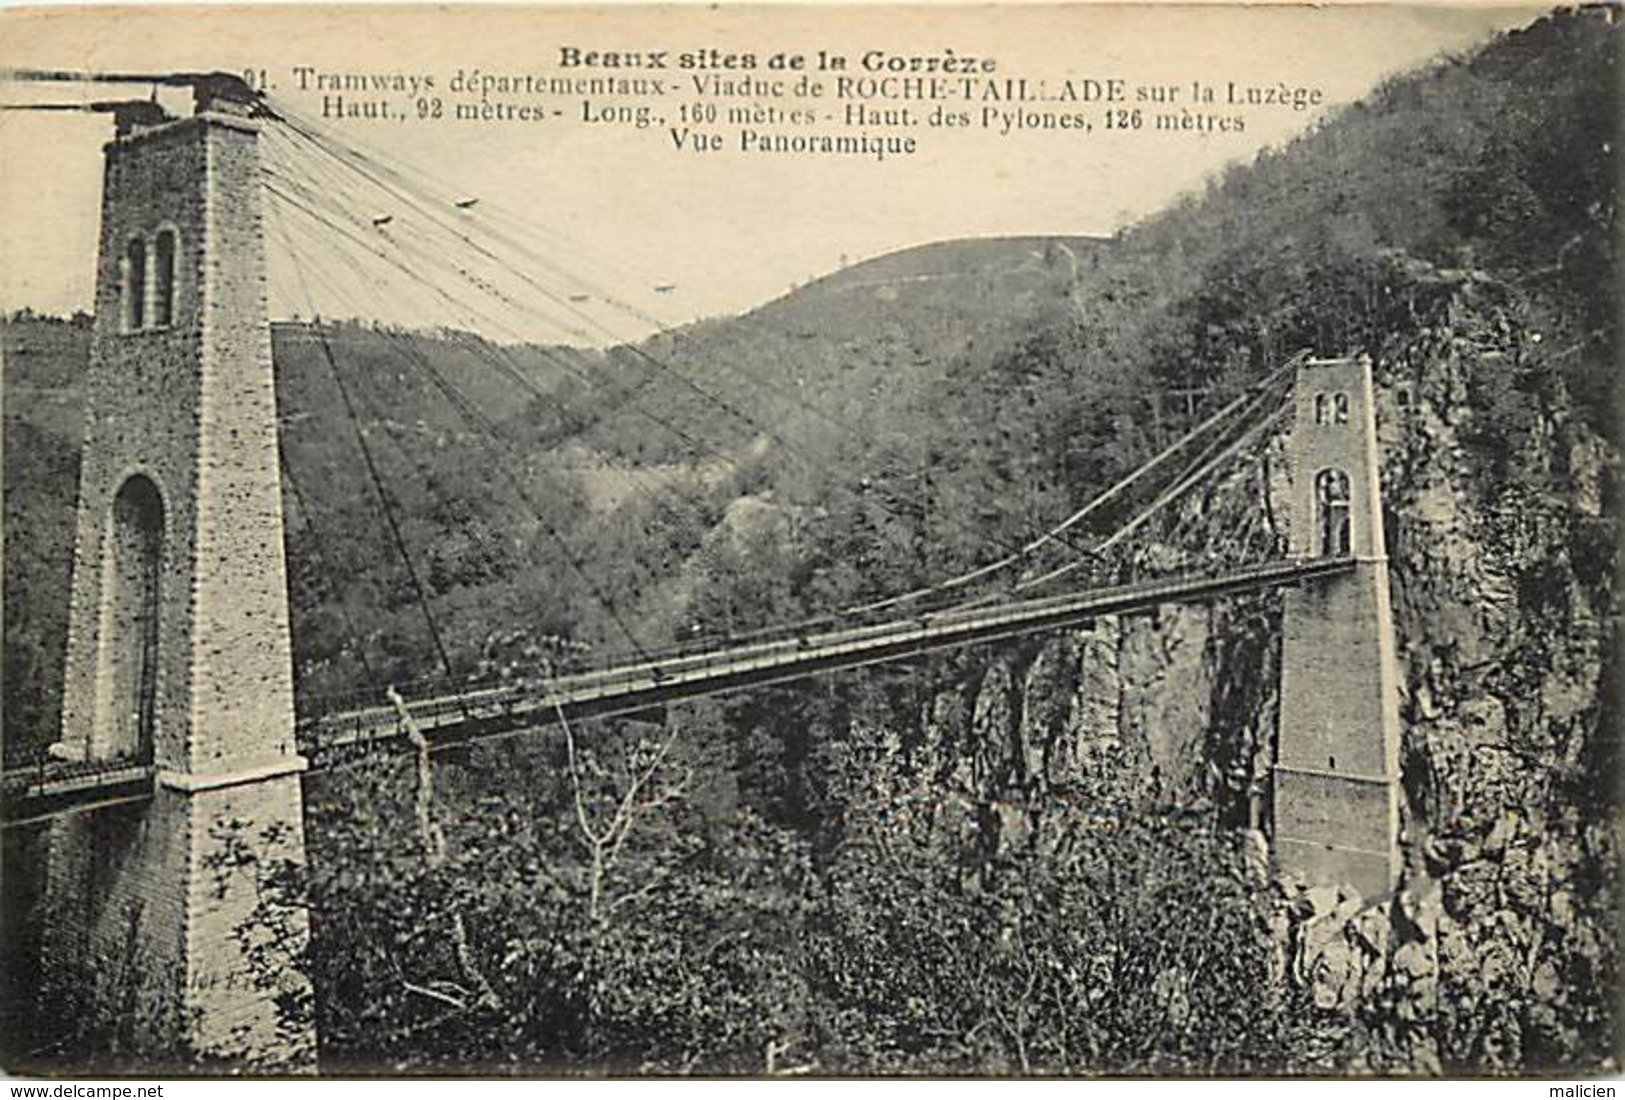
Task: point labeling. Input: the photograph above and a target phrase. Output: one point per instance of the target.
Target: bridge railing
(434, 699)
(701, 646)
(43, 768)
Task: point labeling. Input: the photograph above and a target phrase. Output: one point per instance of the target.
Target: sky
(726, 231)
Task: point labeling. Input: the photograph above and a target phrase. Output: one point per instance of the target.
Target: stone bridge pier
(1337, 770)
(169, 934)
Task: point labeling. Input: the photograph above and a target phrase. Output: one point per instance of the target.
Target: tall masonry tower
(167, 933)
(1337, 774)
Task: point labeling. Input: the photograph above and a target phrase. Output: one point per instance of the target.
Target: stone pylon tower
(1337, 776)
(170, 934)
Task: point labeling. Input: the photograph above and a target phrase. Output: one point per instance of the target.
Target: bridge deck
(481, 712)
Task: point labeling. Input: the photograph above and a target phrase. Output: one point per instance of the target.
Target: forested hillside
(627, 461)
(974, 864)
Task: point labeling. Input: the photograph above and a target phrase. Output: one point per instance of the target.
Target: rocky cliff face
(1499, 952)
(1503, 559)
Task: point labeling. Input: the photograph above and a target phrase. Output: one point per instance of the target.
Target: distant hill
(913, 415)
(976, 265)
(981, 387)
(583, 436)
(849, 354)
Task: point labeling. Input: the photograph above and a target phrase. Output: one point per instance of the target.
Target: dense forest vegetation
(815, 878)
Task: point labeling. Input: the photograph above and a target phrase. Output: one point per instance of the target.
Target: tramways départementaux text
(874, 104)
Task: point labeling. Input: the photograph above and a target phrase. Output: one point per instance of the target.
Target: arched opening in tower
(1332, 504)
(163, 286)
(130, 601)
(135, 285)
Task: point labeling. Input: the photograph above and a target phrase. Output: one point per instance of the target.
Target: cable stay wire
(1245, 526)
(1248, 396)
(377, 483)
(631, 348)
(525, 252)
(462, 306)
(813, 463)
(498, 357)
(308, 515)
(1209, 468)
(405, 182)
(505, 364)
(315, 166)
(483, 425)
(1203, 463)
(1019, 553)
(465, 408)
(414, 178)
(1095, 504)
(473, 210)
(425, 472)
(486, 428)
(420, 177)
(473, 417)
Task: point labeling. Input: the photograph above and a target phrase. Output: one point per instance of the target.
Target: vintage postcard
(825, 541)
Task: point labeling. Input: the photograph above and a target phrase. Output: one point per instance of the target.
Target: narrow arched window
(135, 285)
(1332, 507)
(130, 609)
(1322, 409)
(1341, 402)
(163, 278)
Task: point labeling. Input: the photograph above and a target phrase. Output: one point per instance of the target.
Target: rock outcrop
(1499, 952)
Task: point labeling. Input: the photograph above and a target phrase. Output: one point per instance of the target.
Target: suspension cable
(317, 141)
(1212, 466)
(1055, 533)
(376, 479)
(483, 425)
(496, 355)
(1121, 485)
(308, 515)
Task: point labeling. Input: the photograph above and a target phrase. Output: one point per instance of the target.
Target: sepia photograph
(810, 541)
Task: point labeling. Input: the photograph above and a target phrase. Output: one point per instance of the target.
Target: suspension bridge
(179, 691)
(460, 716)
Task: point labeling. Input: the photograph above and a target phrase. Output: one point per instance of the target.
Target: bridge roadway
(461, 717)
